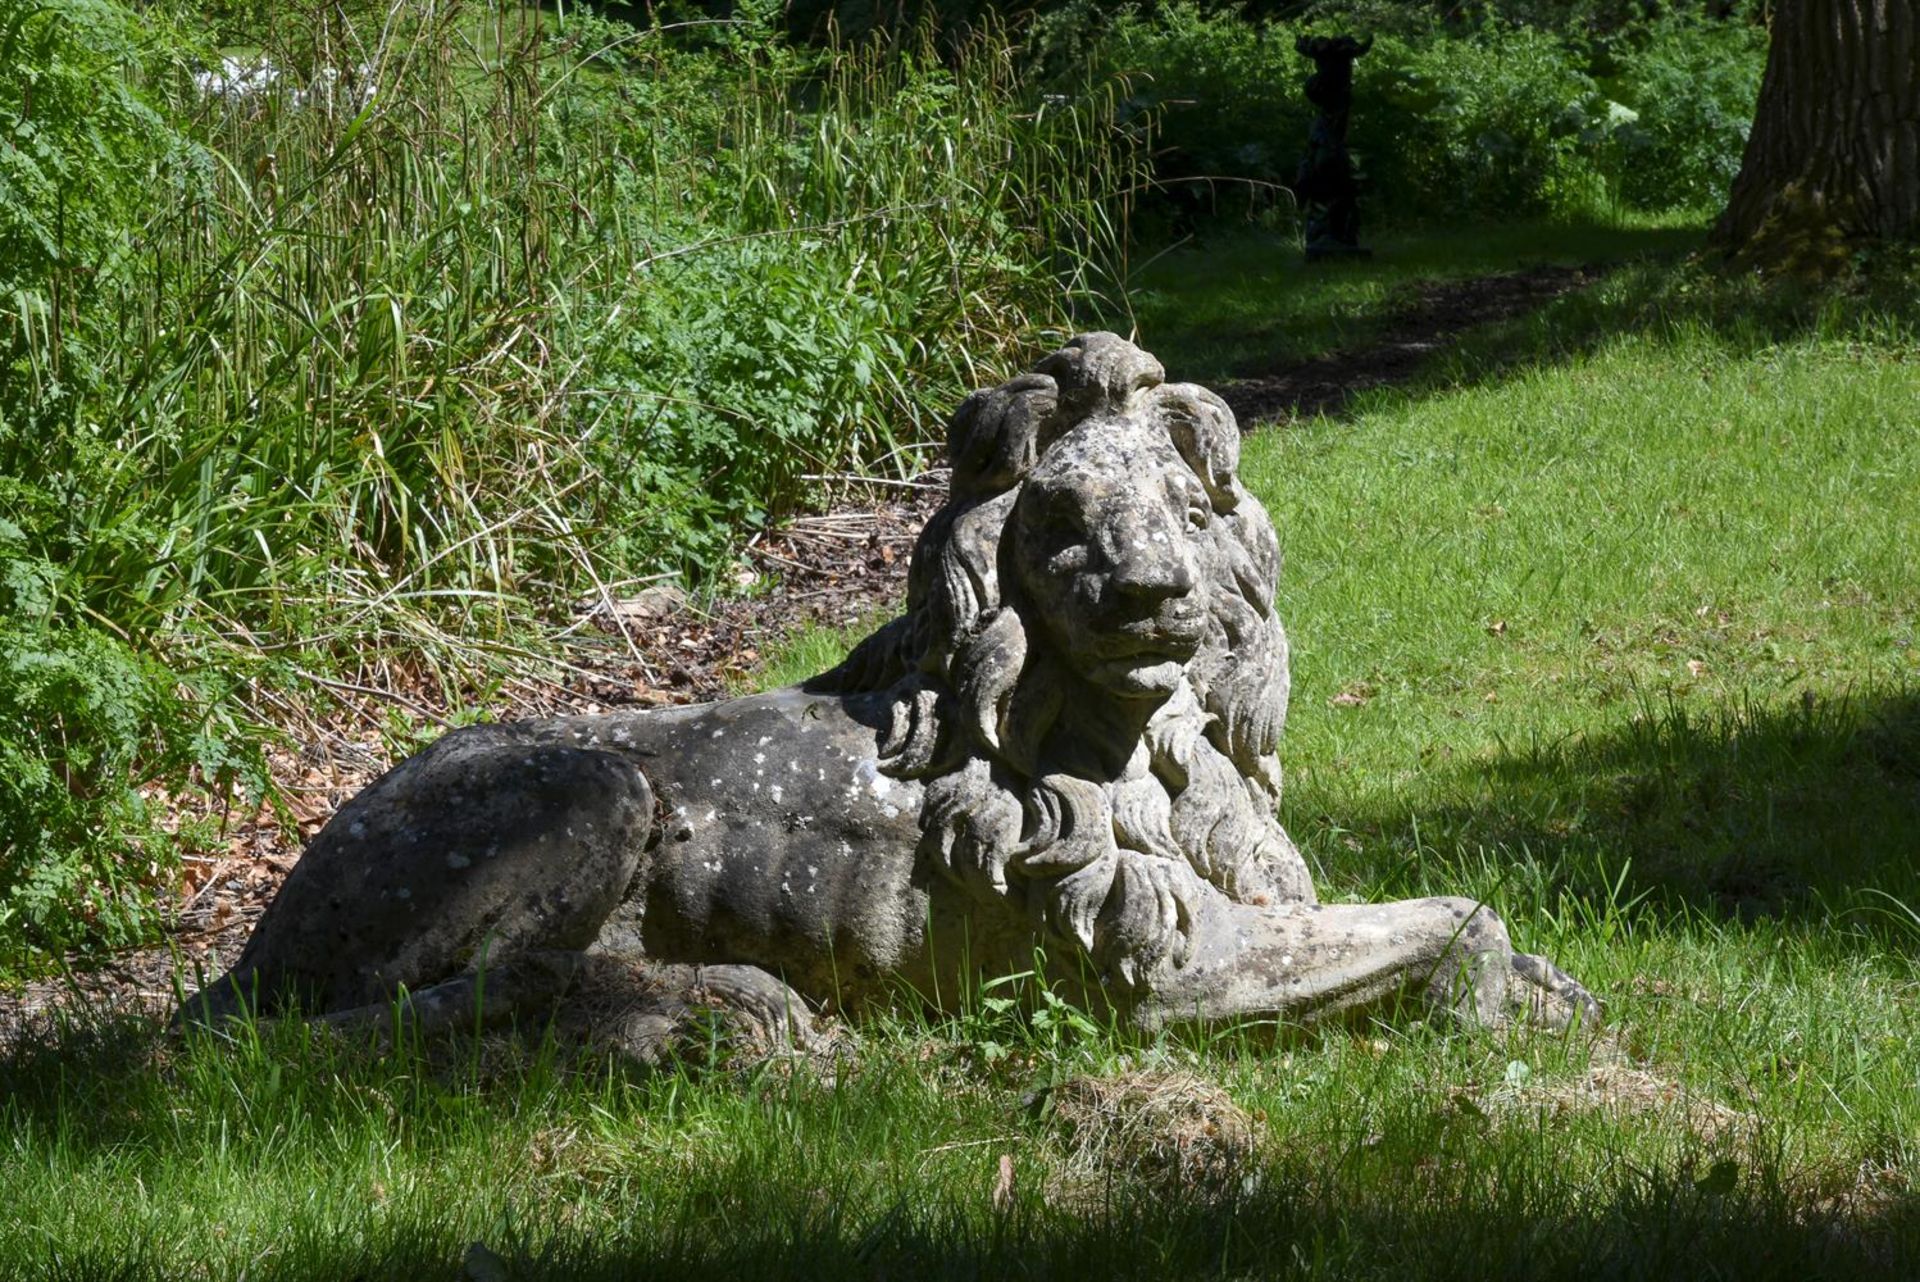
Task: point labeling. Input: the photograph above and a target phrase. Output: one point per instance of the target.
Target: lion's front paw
(1541, 994)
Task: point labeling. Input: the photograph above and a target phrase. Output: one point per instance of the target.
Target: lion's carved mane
(1108, 863)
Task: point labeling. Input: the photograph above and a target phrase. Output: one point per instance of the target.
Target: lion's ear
(995, 437)
(1202, 428)
(961, 573)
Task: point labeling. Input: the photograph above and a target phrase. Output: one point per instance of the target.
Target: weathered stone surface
(1066, 744)
(489, 844)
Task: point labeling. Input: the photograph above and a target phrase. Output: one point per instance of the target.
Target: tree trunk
(1834, 156)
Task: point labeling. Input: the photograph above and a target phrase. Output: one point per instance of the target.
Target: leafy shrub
(1490, 120)
(885, 246)
(80, 157)
(1218, 97)
(85, 720)
(1691, 86)
(1492, 123)
(86, 715)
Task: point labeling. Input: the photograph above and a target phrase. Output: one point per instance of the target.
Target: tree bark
(1834, 156)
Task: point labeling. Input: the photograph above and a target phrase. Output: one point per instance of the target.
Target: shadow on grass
(792, 1176)
(1808, 808)
(1875, 298)
(1247, 303)
(1240, 311)
(1508, 1221)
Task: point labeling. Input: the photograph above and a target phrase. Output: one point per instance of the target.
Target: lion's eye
(1185, 494)
(1065, 544)
(1065, 529)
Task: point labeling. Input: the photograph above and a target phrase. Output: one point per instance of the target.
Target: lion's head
(1090, 678)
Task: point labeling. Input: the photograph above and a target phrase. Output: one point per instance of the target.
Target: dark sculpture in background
(1325, 185)
(1064, 746)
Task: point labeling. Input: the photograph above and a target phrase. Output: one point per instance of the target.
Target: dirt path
(1438, 312)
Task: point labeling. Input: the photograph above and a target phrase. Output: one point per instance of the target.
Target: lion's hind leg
(641, 1011)
(528, 987)
(488, 846)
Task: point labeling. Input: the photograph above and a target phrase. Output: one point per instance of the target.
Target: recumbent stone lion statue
(1063, 749)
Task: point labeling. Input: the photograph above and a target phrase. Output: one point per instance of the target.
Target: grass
(1611, 622)
(810, 650)
(1593, 583)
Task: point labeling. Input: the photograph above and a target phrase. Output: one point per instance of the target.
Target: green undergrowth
(1461, 114)
(1615, 631)
(377, 344)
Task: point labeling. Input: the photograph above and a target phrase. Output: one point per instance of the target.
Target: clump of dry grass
(1172, 1130)
(1614, 1087)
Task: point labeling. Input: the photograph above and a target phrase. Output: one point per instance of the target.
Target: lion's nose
(1153, 575)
